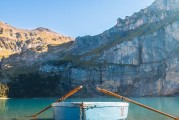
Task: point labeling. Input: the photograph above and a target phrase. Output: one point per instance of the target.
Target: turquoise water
(18, 109)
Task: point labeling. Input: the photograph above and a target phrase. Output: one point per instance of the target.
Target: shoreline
(4, 98)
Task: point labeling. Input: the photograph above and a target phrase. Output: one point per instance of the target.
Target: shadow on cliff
(34, 55)
(39, 50)
(21, 70)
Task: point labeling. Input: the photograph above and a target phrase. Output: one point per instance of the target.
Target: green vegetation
(3, 90)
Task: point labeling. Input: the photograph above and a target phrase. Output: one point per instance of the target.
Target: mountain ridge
(14, 40)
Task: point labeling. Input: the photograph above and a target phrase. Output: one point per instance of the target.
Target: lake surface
(18, 109)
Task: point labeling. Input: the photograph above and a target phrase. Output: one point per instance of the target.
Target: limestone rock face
(136, 57)
(166, 5)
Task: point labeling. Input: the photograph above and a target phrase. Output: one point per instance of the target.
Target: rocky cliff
(137, 57)
(21, 53)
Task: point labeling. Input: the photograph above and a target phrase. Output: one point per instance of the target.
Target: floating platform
(90, 110)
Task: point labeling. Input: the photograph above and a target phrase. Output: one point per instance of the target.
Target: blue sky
(69, 17)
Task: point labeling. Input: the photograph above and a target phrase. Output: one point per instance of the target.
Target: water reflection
(3, 106)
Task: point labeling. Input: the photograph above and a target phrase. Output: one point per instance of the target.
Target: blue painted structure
(90, 110)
